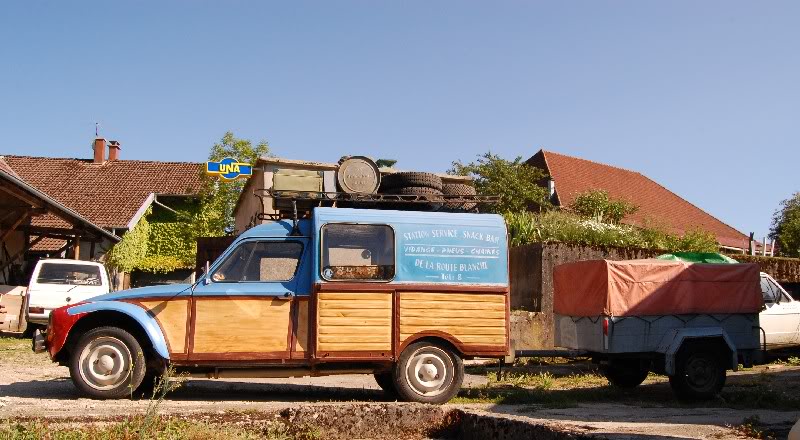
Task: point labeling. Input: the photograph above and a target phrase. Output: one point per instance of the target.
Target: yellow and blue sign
(229, 168)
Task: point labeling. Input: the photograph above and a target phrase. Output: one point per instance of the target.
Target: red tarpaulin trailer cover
(655, 287)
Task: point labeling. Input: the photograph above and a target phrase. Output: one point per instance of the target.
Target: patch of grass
(542, 381)
(158, 428)
(14, 344)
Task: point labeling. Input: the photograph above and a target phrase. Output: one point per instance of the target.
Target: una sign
(229, 168)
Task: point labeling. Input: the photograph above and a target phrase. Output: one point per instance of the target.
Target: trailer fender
(675, 339)
(148, 323)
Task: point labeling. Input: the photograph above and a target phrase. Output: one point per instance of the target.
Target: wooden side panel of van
(173, 318)
(478, 320)
(301, 330)
(351, 322)
(241, 325)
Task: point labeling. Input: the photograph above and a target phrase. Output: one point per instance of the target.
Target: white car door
(781, 319)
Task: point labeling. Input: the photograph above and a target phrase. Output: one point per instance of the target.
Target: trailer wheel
(107, 363)
(699, 372)
(428, 373)
(625, 374)
(386, 382)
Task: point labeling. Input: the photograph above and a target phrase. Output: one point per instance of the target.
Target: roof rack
(311, 199)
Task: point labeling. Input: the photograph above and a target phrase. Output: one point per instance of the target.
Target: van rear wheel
(107, 363)
(428, 373)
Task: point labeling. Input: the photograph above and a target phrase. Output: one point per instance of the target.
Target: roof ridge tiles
(546, 152)
(89, 161)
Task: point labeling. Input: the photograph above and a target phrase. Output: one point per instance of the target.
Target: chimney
(113, 150)
(99, 150)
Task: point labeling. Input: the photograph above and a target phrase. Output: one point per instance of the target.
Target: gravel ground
(32, 386)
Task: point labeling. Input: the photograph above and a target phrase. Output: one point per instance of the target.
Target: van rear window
(72, 274)
(357, 252)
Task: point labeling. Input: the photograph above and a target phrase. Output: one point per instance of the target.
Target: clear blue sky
(703, 97)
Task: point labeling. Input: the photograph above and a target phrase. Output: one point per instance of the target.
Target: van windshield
(72, 274)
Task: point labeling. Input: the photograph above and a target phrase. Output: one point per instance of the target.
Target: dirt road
(31, 386)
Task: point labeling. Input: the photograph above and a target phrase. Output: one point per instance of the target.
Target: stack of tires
(429, 187)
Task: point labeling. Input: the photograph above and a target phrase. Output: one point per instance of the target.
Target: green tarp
(698, 257)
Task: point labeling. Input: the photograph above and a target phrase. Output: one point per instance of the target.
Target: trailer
(691, 322)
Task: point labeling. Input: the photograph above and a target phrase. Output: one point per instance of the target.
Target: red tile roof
(657, 205)
(4, 167)
(108, 194)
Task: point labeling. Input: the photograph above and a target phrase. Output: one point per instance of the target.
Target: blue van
(403, 295)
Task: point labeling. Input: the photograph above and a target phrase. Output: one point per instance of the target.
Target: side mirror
(207, 276)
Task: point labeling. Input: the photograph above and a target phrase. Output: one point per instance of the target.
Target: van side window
(72, 274)
(357, 252)
(261, 261)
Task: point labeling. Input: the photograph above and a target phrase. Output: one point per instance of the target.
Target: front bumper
(38, 343)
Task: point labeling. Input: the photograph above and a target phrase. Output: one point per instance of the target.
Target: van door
(244, 309)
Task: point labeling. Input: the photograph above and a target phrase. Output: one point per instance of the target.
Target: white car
(58, 282)
(781, 318)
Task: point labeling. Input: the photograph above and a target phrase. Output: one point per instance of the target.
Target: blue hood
(145, 292)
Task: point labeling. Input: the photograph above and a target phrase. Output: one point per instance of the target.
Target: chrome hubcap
(427, 371)
(105, 363)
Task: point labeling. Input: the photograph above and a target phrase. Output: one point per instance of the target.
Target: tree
(786, 226)
(220, 194)
(599, 206)
(515, 182)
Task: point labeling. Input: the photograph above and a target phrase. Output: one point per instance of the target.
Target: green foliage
(599, 206)
(126, 255)
(165, 241)
(565, 227)
(515, 182)
(786, 226)
(222, 195)
(388, 163)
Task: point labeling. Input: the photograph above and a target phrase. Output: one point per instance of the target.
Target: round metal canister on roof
(358, 175)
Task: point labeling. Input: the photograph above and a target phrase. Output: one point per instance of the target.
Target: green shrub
(559, 226)
(599, 206)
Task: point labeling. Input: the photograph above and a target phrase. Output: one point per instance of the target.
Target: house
(105, 191)
(31, 218)
(571, 176)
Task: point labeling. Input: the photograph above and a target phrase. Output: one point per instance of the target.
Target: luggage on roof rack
(305, 200)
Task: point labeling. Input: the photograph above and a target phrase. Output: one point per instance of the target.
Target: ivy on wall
(164, 241)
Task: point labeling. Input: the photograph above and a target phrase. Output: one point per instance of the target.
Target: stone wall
(784, 270)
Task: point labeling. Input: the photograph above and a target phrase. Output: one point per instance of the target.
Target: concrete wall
(245, 215)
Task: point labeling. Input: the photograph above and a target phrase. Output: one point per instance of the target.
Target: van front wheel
(428, 373)
(107, 363)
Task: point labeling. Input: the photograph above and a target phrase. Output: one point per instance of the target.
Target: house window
(261, 261)
(357, 252)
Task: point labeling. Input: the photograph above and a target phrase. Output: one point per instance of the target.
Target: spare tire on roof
(395, 181)
(425, 193)
(459, 189)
